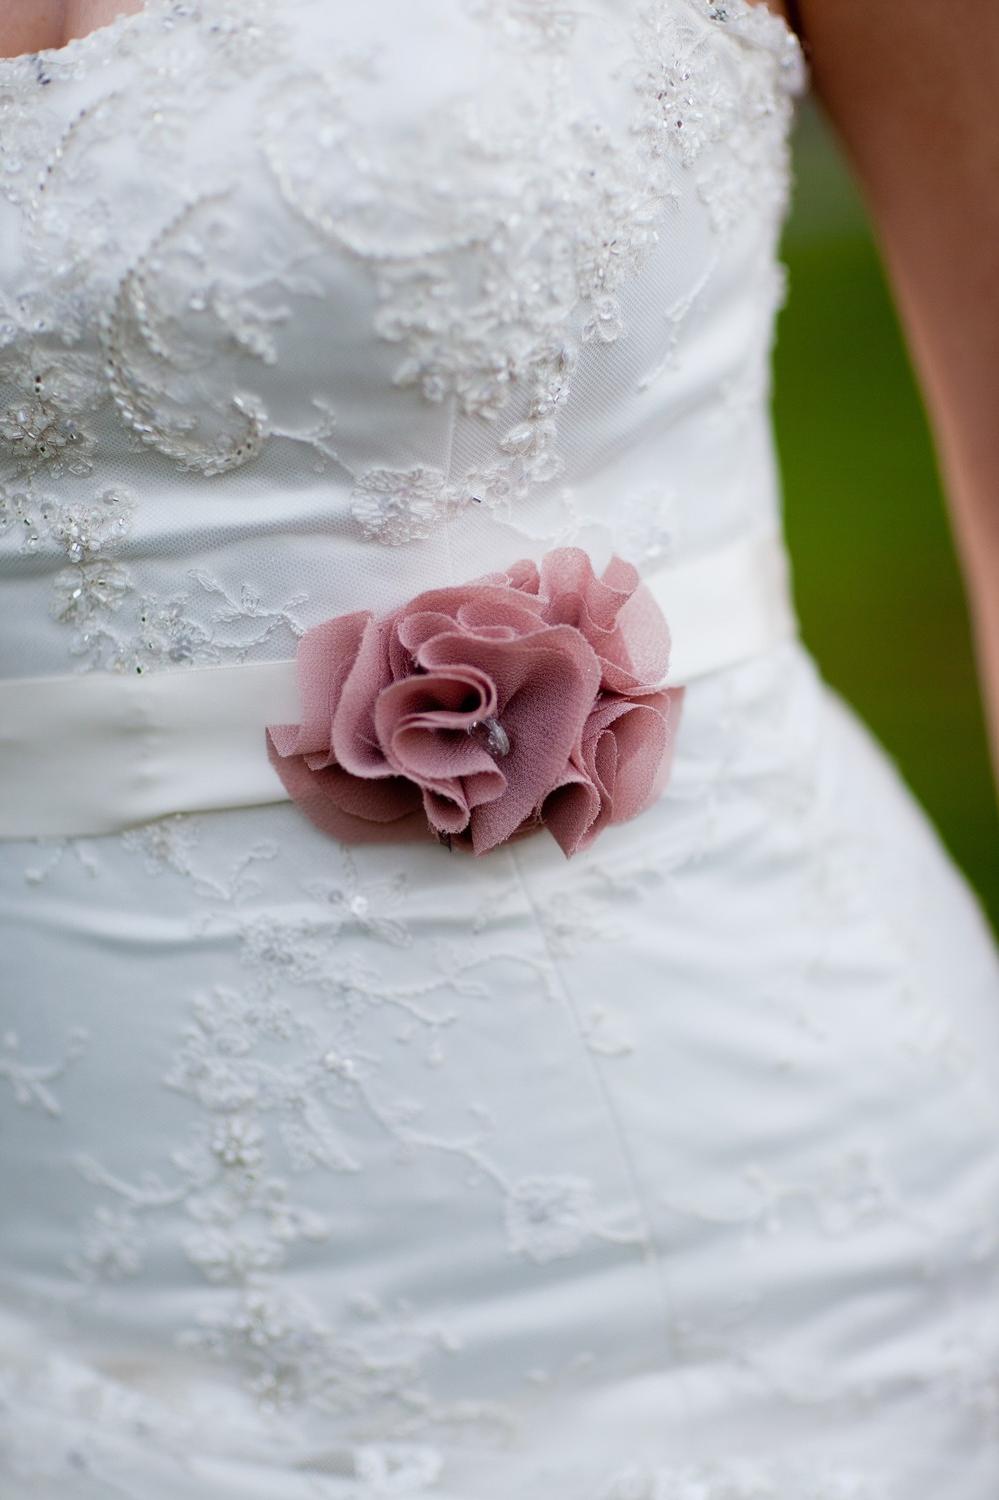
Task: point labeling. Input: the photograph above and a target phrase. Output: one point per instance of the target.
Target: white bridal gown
(666, 1172)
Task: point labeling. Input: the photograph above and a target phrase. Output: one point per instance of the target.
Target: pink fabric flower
(478, 713)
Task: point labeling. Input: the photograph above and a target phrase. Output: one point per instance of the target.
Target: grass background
(877, 584)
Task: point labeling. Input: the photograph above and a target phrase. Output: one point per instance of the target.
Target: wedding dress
(666, 1171)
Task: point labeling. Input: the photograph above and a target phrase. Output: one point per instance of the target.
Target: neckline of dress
(758, 15)
(105, 38)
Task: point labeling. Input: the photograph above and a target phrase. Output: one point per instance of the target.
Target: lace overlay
(666, 1174)
(487, 245)
(341, 1041)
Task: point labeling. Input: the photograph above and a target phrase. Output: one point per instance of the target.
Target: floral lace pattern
(30, 1082)
(498, 236)
(668, 1175)
(356, 1035)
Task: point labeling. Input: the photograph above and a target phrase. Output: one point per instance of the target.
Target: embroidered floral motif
(274, 1083)
(479, 315)
(24, 138)
(168, 633)
(366, 908)
(546, 1216)
(90, 592)
(498, 235)
(111, 1246)
(34, 433)
(399, 506)
(173, 843)
(30, 1081)
(687, 101)
(243, 1221)
(690, 104)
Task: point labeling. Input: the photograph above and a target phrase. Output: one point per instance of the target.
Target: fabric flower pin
(479, 713)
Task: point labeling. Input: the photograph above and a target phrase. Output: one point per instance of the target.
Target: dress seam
(650, 1250)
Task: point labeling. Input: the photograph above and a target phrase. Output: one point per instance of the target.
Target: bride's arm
(912, 88)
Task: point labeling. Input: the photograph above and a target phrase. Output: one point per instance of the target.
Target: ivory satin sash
(97, 752)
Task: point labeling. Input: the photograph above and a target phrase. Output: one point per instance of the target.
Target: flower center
(497, 741)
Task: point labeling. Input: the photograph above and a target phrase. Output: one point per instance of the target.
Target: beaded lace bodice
(412, 290)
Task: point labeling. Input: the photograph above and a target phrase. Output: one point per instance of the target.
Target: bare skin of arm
(910, 88)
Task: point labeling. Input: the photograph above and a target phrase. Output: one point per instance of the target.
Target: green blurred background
(877, 584)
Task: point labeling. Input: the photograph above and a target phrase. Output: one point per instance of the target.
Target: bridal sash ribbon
(95, 753)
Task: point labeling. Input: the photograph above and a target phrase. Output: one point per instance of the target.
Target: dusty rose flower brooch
(479, 713)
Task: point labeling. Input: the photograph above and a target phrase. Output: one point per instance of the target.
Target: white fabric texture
(668, 1172)
(99, 752)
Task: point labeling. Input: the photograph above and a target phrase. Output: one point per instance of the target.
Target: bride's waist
(94, 752)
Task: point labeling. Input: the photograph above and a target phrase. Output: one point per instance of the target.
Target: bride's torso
(330, 1171)
(302, 310)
